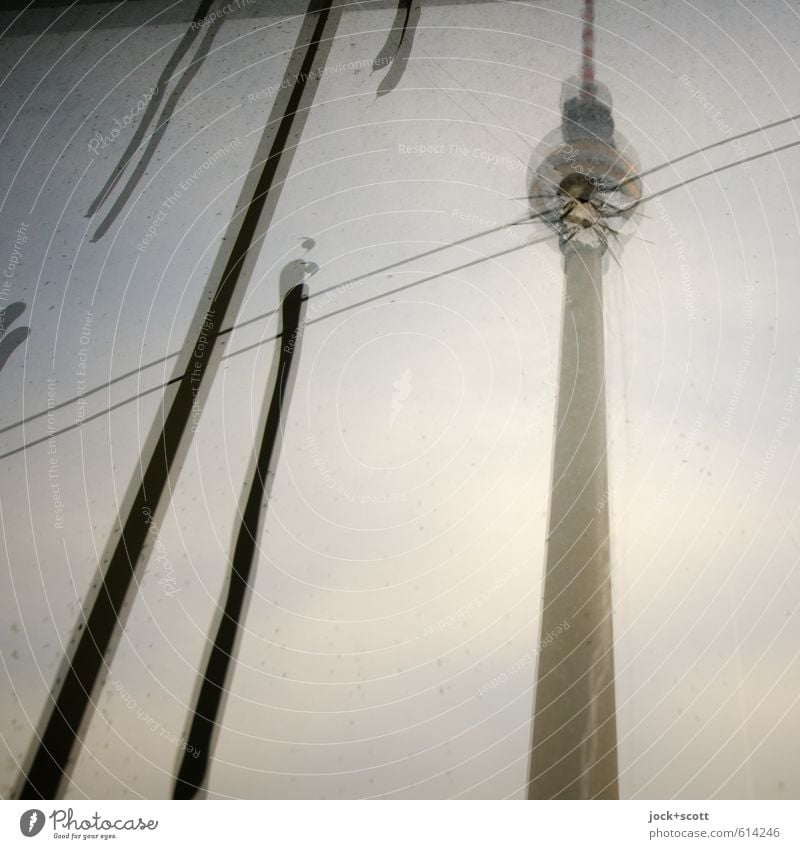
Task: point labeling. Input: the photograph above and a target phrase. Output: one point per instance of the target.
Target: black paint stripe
(69, 709)
(196, 757)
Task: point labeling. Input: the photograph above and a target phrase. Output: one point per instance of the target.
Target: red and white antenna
(587, 55)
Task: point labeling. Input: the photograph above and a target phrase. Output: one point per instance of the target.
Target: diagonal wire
(422, 255)
(717, 170)
(272, 338)
(381, 270)
(711, 146)
(762, 129)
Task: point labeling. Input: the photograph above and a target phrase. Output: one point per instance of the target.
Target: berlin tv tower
(584, 188)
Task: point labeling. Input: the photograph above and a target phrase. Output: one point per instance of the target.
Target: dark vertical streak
(195, 761)
(387, 53)
(152, 107)
(398, 67)
(9, 314)
(155, 138)
(69, 707)
(9, 343)
(163, 123)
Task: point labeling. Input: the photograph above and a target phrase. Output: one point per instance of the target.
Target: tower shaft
(574, 752)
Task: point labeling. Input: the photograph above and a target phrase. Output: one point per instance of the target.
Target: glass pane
(445, 399)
